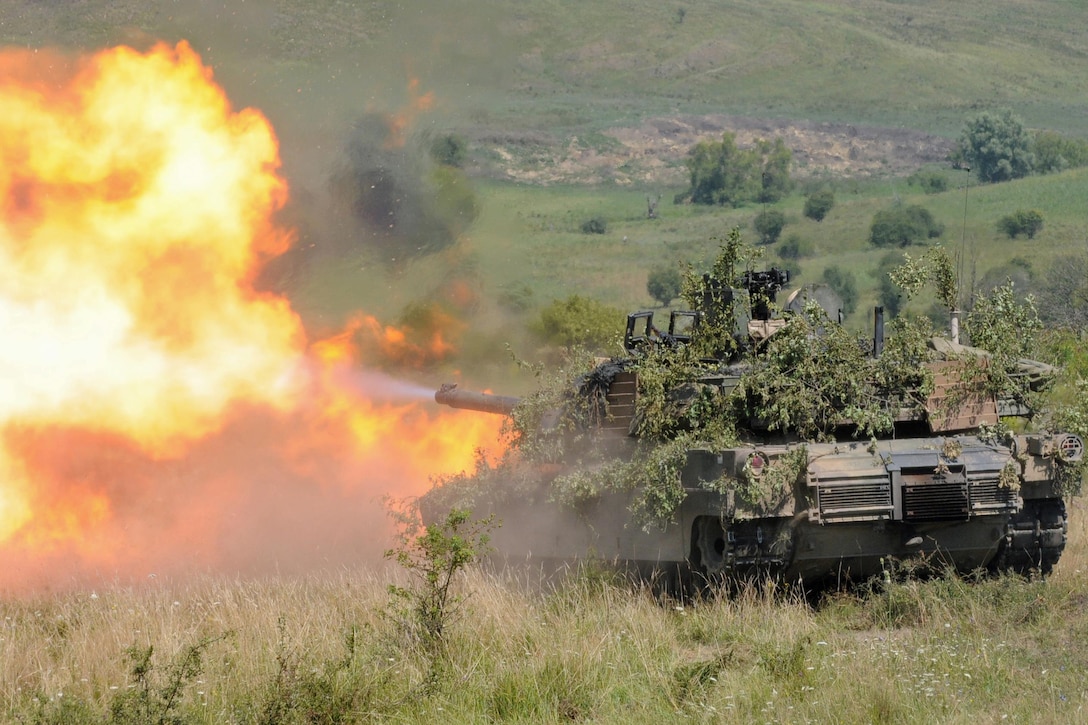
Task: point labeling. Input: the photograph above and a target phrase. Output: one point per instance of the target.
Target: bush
(449, 150)
(768, 224)
(579, 321)
(845, 286)
(1055, 152)
(1063, 300)
(1027, 222)
(902, 226)
(517, 297)
(1018, 270)
(435, 556)
(596, 225)
(930, 182)
(664, 283)
(889, 296)
(818, 204)
(795, 248)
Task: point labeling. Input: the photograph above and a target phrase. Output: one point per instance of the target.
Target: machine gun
(762, 288)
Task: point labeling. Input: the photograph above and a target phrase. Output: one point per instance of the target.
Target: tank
(742, 441)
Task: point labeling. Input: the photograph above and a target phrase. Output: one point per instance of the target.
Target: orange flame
(401, 121)
(155, 408)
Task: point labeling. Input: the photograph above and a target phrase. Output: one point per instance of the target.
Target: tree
(889, 294)
(902, 226)
(1027, 222)
(818, 204)
(1055, 152)
(768, 224)
(1017, 269)
(774, 160)
(723, 174)
(997, 147)
(664, 283)
(1063, 299)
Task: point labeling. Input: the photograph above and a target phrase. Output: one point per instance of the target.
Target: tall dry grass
(587, 647)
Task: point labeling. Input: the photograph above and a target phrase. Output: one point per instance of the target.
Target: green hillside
(574, 110)
(558, 65)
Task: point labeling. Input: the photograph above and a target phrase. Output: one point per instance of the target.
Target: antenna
(961, 255)
(960, 261)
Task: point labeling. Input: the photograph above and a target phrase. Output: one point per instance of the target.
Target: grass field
(590, 648)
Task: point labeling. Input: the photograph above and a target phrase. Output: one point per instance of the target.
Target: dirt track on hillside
(653, 152)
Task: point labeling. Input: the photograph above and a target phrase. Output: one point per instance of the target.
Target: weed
(434, 555)
(691, 680)
(155, 693)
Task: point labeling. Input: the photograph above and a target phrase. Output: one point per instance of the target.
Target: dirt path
(653, 152)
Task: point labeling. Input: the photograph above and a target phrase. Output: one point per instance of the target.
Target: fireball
(150, 395)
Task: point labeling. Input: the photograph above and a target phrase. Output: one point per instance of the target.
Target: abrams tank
(743, 442)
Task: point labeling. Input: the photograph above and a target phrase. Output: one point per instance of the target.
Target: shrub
(845, 286)
(663, 284)
(930, 182)
(1055, 152)
(1027, 222)
(155, 692)
(579, 321)
(768, 224)
(889, 296)
(818, 204)
(902, 226)
(435, 555)
(795, 248)
(516, 297)
(596, 225)
(449, 150)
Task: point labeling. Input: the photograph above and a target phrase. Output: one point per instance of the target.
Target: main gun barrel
(450, 395)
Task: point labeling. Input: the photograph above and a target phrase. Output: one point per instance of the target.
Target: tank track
(1035, 538)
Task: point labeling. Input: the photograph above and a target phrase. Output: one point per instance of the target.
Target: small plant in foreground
(155, 693)
(434, 555)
